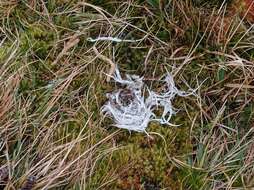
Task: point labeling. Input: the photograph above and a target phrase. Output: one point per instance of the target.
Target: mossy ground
(51, 126)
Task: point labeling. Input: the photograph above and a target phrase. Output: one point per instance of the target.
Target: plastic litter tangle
(133, 107)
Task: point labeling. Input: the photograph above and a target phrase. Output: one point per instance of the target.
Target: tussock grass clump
(52, 87)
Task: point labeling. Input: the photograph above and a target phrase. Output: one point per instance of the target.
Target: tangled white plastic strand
(136, 114)
(112, 39)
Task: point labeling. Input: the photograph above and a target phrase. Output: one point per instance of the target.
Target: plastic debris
(112, 39)
(133, 106)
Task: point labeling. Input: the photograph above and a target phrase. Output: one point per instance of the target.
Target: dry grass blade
(107, 60)
(72, 41)
(244, 86)
(29, 184)
(7, 96)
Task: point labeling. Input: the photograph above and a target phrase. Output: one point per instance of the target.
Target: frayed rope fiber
(131, 109)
